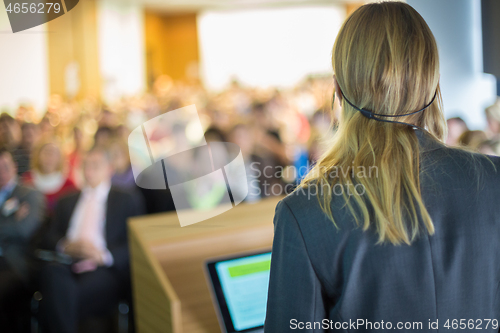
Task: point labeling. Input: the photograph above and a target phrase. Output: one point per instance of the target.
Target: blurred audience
(90, 227)
(240, 134)
(75, 157)
(490, 147)
(123, 176)
(22, 211)
(30, 134)
(90, 195)
(47, 174)
(10, 132)
(456, 127)
(103, 136)
(493, 119)
(472, 139)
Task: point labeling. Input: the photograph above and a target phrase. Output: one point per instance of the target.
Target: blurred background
(258, 71)
(111, 63)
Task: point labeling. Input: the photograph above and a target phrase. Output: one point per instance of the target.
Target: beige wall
(23, 66)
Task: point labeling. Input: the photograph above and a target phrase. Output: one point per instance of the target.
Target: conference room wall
(24, 74)
(122, 63)
(456, 24)
(267, 46)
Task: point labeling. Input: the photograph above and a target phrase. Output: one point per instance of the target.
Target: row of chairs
(120, 322)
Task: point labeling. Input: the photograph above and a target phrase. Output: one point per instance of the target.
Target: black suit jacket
(13, 231)
(320, 273)
(15, 235)
(120, 206)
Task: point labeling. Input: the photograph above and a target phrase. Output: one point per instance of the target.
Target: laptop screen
(240, 285)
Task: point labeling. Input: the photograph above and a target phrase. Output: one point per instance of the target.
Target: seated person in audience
(75, 157)
(10, 132)
(21, 211)
(90, 227)
(123, 176)
(47, 175)
(472, 139)
(103, 136)
(456, 127)
(22, 154)
(240, 134)
(270, 148)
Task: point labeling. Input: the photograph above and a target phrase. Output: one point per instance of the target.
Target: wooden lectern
(171, 293)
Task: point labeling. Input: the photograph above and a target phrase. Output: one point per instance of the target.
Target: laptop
(239, 285)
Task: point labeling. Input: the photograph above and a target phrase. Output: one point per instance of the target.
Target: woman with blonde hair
(48, 174)
(391, 229)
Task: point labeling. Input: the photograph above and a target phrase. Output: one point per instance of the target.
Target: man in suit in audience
(90, 227)
(21, 212)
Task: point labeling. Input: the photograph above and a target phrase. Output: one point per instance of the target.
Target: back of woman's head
(385, 60)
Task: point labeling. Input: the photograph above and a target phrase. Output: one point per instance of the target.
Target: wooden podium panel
(171, 293)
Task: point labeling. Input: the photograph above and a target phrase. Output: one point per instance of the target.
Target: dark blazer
(319, 272)
(15, 235)
(21, 231)
(120, 206)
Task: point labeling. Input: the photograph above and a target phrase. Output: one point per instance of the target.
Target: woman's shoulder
(462, 161)
(303, 197)
(304, 206)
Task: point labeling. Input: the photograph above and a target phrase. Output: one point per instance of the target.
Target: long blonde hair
(385, 59)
